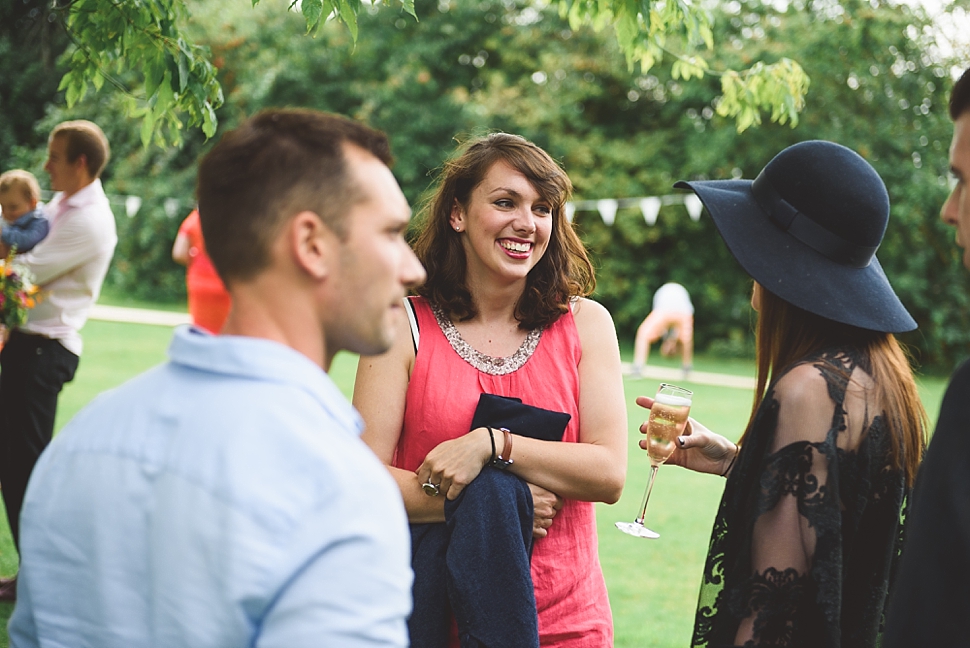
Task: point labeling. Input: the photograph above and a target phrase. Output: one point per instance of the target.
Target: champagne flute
(668, 418)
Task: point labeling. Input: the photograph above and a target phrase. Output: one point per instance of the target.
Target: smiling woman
(506, 224)
(502, 313)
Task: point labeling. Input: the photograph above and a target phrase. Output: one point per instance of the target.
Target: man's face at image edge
(956, 209)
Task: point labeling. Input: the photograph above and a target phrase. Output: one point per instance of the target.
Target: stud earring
(457, 228)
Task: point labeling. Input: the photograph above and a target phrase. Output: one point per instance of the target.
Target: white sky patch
(950, 32)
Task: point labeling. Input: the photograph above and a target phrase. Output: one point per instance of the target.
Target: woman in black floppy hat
(809, 524)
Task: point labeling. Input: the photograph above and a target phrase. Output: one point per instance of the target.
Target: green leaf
(209, 121)
(154, 73)
(645, 10)
(312, 12)
(165, 99)
(183, 66)
(349, 16)
(147, 127)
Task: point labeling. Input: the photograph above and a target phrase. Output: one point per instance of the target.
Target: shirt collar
(261, 359)
(88, 195)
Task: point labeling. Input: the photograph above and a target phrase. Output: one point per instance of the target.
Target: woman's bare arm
(593, 469)
(379, 396)
(180, 249)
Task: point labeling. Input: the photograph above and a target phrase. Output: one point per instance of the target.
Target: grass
(652, 583)
(114, 297)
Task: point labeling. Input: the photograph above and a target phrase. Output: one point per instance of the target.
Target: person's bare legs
(687, 345)
(641, 345)
(651, 330)
(641, 348)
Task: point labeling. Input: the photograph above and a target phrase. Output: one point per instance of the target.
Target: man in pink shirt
(69, 266)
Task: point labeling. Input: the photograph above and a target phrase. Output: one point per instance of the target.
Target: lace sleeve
(795, 534)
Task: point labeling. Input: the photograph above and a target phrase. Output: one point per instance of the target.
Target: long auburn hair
(563, 272)
(786, 334)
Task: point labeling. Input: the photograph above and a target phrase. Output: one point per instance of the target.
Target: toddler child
(24, 226)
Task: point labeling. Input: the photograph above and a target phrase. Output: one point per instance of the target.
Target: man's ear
(314, 246)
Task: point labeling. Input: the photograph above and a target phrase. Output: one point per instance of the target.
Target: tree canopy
(146, 50)
(467, 68)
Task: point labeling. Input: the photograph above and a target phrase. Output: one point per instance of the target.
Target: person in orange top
(208, 300)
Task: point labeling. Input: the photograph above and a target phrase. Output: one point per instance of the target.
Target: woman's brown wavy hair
(563, 272)
(786, 334)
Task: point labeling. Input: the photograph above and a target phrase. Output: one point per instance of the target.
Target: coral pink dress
(209, 301)
(448, 377)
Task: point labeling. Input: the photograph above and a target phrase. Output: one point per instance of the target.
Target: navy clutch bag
(519, 418)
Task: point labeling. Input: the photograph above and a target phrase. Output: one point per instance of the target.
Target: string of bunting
(173, 206)
(649, 206)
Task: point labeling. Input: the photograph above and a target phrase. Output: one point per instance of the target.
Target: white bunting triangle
(650, 208)
(570, 211)
(694, 206)
(607, 208)
(132, 205)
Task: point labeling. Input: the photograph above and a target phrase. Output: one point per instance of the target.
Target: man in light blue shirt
(224, 498)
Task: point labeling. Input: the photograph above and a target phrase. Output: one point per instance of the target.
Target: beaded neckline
(486, 363)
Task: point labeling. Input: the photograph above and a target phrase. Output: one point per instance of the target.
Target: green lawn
(652, 583)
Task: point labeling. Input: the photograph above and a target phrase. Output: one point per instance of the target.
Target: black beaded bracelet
(491, 436)
(737, 450)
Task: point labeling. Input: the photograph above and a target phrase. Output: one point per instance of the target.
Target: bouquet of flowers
(18, 294)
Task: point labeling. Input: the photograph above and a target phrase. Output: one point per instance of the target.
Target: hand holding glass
(668, 418)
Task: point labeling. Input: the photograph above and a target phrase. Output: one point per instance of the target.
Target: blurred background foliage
(879, 86)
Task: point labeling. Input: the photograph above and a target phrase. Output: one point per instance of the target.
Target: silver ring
(431, 490)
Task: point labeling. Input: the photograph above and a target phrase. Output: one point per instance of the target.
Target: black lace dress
(808, 530)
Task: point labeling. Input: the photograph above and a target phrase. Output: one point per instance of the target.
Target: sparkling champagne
(668, 418)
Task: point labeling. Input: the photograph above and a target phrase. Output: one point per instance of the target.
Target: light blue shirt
(221, 499)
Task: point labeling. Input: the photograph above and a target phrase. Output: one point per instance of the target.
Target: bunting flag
(649, 206)
(694, 207)
(570, 211)
(132, 205)
(171, 207)
(607, 208)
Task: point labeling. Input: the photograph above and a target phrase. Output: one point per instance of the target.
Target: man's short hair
(960, 97)
(22, 181)
(87, 139)
(272, 167)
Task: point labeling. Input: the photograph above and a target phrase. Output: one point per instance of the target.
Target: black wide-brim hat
(807, 229)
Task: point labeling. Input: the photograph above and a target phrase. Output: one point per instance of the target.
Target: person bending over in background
(672, 319)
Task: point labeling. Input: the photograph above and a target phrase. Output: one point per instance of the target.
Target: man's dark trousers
(33, 369)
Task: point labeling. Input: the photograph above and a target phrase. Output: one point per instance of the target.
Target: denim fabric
(25, 232)
(476, 566)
